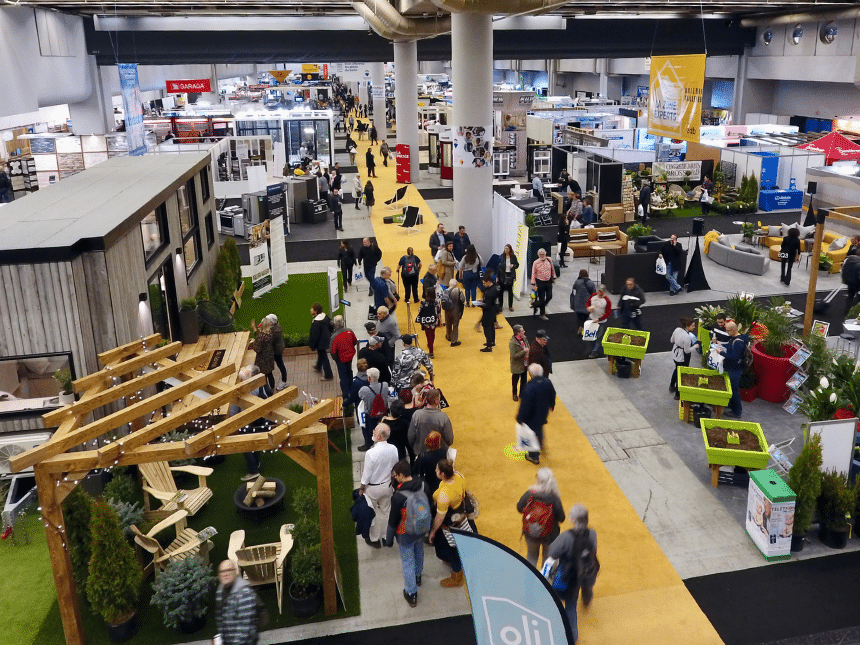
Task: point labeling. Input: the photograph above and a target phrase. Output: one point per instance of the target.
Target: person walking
(519, 350)
(586, 217)
(278, 349)
(446, 263)
(381, 292)
(384, 151)
(344, 346)
(542, 512)
(429, 317)
(599, 307)
(430, 418)
(733, 364)
(323, 184)
(574, 212)
(789, 253)
(409, 361)
(264, 347)
(537, 401)
(489, 309)
(507, 273)
(336, 207)
(563, 238)
(539, 352)
(683, 341)
(235, 607)
(368, 256)
(379, 460)
(461, 243)
(582, 289)
(645, 200)
(543, 275)
(369, 200)
(374, 135)
(371, 163)
(375, 355)
(470, 273)
(427, 460)
(410, 271)
(356, 191)
(253, 458)
(352, 149)
(671, 254)
(537, 188)
(579, 543)
(346, 260)
(450, 495)
(375, 397)
(387, 327)
(453, 302)
(409, 515)
(320, 340)
(630, 304)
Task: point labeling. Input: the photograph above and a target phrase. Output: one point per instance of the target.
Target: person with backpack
(427, 419)
(573, 559)
(410, 271)
(684, 341)
(450, 499)
(375, 397)
(429, 317)
(376, 482)
(851, 278)
(410, 518)
(235, 607)
(542, 513)
(470, 273)
(452, 302)
(320, 341)
(734, 364)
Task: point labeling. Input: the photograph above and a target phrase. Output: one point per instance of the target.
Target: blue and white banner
(132, 105)
(512, 603)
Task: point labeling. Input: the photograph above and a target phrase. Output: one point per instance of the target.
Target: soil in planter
(717, 439)
(715, 382)
(636, 341)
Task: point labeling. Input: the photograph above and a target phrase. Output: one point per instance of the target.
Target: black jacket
(538, 397)
(368, 256)
(346, 258)
(506, 277)
(672, 253)
(320, 334)
(490, 306)
(398, 503)
(377, 358)
(461, 243)
(791, 247)
(631, 305)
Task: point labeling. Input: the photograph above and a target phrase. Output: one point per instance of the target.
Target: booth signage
(310, 68)
(261, 278)
(675, 96)
(278, 248)
(280, 75)
(377, 92)
(133, 106)
(192, 85)
(677, 170)
(473, 146)
(403, 163)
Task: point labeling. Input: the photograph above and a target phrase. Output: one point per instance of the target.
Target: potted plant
(804, 478)
(637, 230)
(77, 509)
(67, 393)
(114, 578)
(306, 562)
(835, 506)
(748, 230)
(744, 311)
(824, 262)
(181, 592)
(771, 353)
(188, 323)
(748, 385)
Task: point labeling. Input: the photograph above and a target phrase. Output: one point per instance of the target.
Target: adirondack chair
(264, 563)
(158, 482)
(184, 546)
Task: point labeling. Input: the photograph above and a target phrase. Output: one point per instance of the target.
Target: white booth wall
(793, 163)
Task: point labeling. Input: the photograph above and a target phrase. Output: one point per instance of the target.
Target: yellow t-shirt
(298, 172)
(455, 491)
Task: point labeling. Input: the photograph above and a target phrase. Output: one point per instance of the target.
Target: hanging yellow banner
(280, 74)
(310, 68)
(675, 96)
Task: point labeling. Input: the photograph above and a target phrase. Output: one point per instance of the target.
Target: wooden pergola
(128, 373)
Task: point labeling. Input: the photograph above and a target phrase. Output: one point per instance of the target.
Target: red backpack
(537, 519)
(379, 408)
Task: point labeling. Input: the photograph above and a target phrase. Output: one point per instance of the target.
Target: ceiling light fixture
(767, 36)
(828, 33)
(796, 35)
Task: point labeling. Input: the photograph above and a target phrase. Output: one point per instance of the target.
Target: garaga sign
(193, 85)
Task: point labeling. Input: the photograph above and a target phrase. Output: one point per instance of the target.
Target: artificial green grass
(221, 513)
(290, 302)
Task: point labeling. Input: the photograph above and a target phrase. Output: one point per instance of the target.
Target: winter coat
(579, 295)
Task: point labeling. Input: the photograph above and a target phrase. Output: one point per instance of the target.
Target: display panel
(27, 385)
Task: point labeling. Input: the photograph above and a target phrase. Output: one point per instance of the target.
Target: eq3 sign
(192, 85)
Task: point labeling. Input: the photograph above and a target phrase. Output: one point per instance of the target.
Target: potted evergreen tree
(772, 352)
(804, 478)
(188, 323)
(113, 585)
(77, 510)
(835, 506)
(181, 592)
(67, 392)
(306, 562)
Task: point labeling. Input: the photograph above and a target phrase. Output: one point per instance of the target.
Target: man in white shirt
(537, 188)
(376, 482)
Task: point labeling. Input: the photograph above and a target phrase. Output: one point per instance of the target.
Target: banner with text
(261, 279)
(675, 96)
(473, 146)
(194, 85)
(512, 603)
(133, 107)
(677, 170)
(280, 75)
(278, 250)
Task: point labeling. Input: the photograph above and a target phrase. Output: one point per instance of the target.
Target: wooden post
(813, 270)
(326, 524)
(61, 564)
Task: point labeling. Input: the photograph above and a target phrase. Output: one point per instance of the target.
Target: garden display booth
(136, 368)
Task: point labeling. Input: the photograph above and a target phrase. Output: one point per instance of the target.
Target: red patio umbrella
(835, 148)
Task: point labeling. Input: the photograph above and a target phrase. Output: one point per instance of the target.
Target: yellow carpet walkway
(638, 597)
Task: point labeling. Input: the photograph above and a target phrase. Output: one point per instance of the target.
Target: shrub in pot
(129, 515)
(181, 592)
(772, 352)
(835, 506)
(113, 585)
(188, 322)
(77, 510)
(67, 392)
(306, 562)
(804, 478)
(637, 230)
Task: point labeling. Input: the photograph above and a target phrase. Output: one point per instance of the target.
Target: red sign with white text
(193, 85)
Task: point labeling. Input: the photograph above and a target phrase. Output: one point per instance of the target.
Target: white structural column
(472, 71)
(377, 93)
(738, 113)
(406, 100)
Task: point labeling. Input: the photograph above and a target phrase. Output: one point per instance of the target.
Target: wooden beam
(177, 418)
(813, 277)
(311, 415)
(68, 484)
(121, 369)
(61, 565)
(302, 458)
(126, 389)
(70, 425)
(115, 420)
(231, 424)
(117, 353)
(326, 523)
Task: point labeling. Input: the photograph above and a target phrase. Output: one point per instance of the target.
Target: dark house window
(153, 231)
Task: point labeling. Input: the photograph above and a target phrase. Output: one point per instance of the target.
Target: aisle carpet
(661, 321)
(459, 630)
(723, 223)
(318, 250)
(437, 193)
(785, 600)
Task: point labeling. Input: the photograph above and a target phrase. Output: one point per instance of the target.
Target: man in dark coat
(671, 253)
(368, 257)
(645, 201)
(630, 302)
(437, 239)
(535, 404)
(490, 307)
(336, 208)
(320, 340)
(461, 243)
(539, 352)
(375, 355)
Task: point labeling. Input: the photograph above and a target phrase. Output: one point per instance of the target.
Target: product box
(612, 213)
(770, 514)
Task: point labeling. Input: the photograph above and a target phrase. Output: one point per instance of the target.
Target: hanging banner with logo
(280, 75)
(133, 107)
(675, 96)
(512, 603)
(192, 85)
(473, 146)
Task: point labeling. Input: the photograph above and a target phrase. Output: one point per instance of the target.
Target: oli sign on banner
(193, 85)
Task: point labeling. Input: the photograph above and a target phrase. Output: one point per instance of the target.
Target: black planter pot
(835, 539)
(304, 607)
(194, 625)
(796, 543)
(189, 326)
(124, 631)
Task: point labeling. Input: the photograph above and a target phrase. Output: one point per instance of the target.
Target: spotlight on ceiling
(828, 33)
(796, 35)
(767, 36)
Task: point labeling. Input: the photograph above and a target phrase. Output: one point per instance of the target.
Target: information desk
(769, 200)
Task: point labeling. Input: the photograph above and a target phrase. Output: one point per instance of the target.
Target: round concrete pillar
(406, 100)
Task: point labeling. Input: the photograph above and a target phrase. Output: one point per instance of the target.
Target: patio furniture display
(264, 563)
(158, 482)
(186, 545)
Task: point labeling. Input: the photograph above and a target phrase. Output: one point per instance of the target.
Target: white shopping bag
(527, 440)
(661, 266)
(715, 360)
(590, 330)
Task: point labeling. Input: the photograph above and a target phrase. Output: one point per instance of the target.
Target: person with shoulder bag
(683, 342)
(542, 512)
(507, 272)
(450, 500)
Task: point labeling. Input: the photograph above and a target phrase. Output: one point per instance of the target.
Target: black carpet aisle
(318, 250)
(437, 193)
(783, 600)
(458, 630)
(661, 321)
(682, 227)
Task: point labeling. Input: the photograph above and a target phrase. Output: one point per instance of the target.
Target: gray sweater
(388, 329)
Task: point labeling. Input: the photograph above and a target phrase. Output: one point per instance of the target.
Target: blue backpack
(418, 517)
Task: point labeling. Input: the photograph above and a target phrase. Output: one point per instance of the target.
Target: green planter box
(731, 457)
(627, 351)
(704, 336)
(703, 395)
